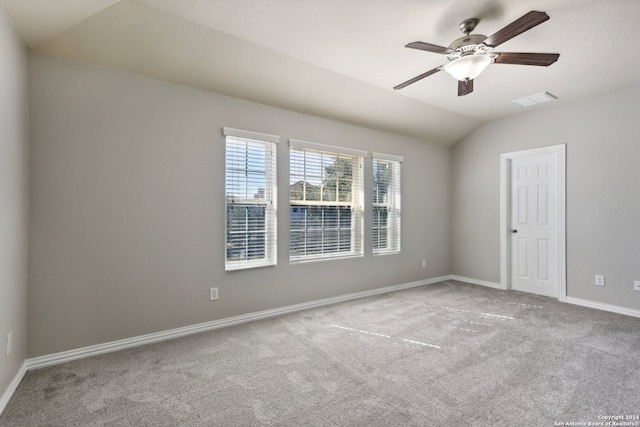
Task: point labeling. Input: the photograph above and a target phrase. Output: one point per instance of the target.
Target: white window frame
(268, 199)
(391, 203)
(355, 204)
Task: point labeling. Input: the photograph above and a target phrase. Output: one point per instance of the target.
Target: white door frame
(505, 214)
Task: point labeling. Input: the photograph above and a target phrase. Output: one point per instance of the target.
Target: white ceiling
(340, 58)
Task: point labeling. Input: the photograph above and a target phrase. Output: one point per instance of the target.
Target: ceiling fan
(471, 54)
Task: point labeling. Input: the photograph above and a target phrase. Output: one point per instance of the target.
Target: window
(326, 198)
(250, 188)
(386, 203)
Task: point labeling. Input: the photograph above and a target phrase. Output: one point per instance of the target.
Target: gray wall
(13, 200)
(603, 197)
(127, 212)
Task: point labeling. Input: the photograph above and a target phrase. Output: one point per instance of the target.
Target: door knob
(513, 230)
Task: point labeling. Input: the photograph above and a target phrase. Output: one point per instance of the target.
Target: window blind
(250, 199)
(386, 203)
(326, 199)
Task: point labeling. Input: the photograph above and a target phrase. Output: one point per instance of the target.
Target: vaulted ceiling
(341, 58)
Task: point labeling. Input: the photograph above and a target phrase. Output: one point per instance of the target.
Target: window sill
(294, 261)
(386, 253)
(232, 268)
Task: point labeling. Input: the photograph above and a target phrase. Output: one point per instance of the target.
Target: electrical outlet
(424, 263)
(636, 285)
(599, 280)
(9, 343)
(213, 294)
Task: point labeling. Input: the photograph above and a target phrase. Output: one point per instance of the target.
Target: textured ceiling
(340, 58)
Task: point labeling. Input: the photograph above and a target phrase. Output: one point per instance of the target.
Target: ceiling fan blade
(465, 87)
(540, 59)
(430, 47)
(417, 78)
(519, 26)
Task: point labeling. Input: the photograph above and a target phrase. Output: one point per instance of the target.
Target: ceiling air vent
(534, 99)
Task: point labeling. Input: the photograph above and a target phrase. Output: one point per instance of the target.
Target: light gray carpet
(449, 354)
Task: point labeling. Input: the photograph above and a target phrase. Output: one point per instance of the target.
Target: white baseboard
(570, 300)
(13, 386)
(66, 356)
(603, 306)
(477, 282)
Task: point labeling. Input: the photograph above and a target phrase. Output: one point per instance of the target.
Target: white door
(534, 224)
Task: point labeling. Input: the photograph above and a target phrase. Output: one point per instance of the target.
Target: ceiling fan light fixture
(468, 67)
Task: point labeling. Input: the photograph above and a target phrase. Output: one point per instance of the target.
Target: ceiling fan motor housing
(468, 45)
